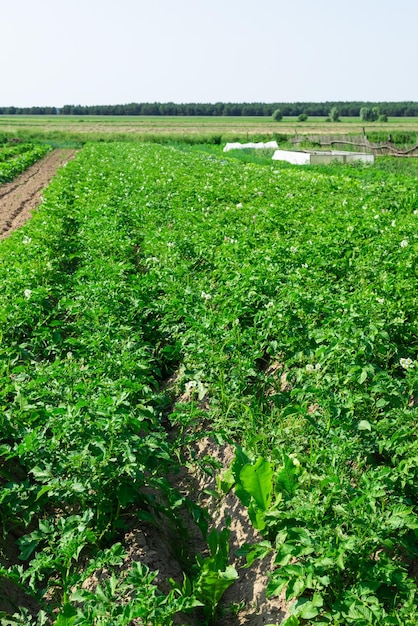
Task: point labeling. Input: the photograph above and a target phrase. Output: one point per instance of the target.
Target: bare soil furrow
(20, 197)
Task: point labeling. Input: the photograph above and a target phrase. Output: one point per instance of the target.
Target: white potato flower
(406, 364)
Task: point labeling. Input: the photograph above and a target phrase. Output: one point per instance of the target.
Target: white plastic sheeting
(297, 158)
(319, 157)
(269, 145)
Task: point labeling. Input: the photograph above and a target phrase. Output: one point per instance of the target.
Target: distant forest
(349, 109)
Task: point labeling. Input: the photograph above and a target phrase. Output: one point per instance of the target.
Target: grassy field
(195, 128)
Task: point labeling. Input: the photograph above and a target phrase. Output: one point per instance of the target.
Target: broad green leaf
(257, 481)
(225, 481)
(362, 376)
(67, 617)
(308, 609)
(43, 490)
(256, 515)
(211, 586)
(252, 552)
(287, 478)
(340, 560)
(241, 459)
(46, 527)
(126, 493)
(292, 620)
(27, 547)
(276, 585)
(295, 587)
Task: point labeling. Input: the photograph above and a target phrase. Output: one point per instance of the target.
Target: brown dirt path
(21, 196)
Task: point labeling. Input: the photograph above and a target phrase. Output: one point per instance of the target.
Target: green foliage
(375, 114)
(302, 117)
(277, 115)
(281, 138)
(17, 158)
(254, 487)
(398, 138)
(371, 114)
(334, 114)
(214, 574)
(285, 300)
(365, 113)
(119, 601)
(190, 109)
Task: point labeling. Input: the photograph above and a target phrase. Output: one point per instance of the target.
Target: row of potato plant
(18, 157)
(286, 297)
(11, 150)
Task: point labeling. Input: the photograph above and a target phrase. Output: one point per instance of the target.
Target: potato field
(166, 297)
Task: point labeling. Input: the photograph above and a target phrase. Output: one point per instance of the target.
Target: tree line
(346, 109)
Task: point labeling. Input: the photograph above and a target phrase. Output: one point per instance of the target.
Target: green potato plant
(161, 294)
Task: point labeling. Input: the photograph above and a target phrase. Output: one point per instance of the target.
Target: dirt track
(20, 197)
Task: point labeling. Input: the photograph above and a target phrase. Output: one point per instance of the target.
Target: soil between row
(21, 196)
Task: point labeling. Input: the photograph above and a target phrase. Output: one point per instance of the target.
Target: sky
(119, 51)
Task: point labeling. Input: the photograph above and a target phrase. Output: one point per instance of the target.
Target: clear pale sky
(119, 51)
